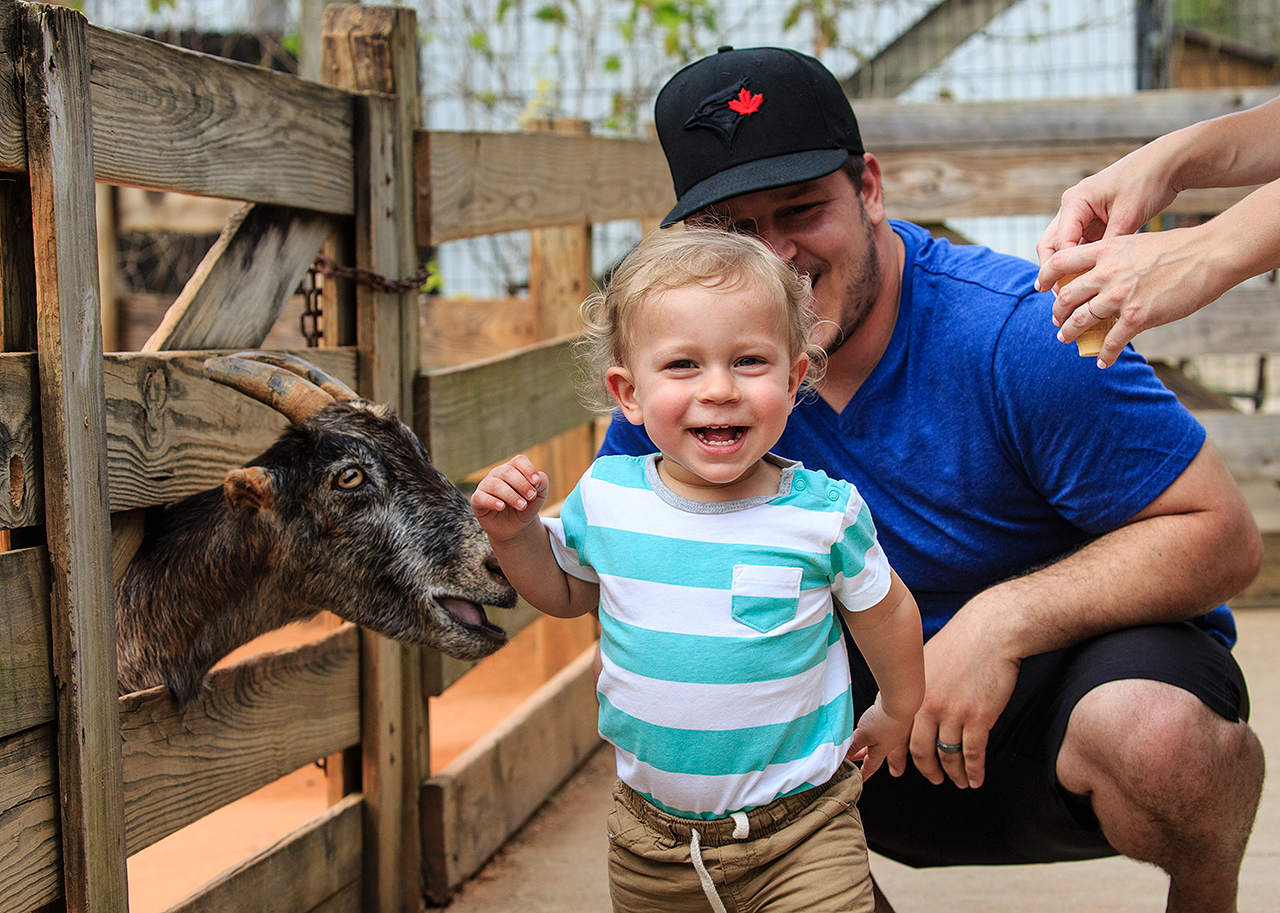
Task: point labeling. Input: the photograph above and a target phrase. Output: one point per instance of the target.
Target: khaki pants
(804, 852)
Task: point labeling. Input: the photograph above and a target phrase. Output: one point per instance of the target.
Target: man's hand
(967, 685)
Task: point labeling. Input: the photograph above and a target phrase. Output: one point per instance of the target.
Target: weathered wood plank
(469, 417)
(26, 665)
(69, 340)
(1249, 444)
(171, 119)
(13, 139)
(238, 290)
(296, 874)
(374, 49)
(260, 719)
(30, 847)
(1244, 321)
(484, 183)
(21, 455)
(486, 793)
(932, 185)
(1130, 119)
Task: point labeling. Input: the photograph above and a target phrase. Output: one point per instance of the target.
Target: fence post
(72, 408)
(374, 50)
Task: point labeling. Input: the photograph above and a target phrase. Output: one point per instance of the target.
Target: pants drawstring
(741, 830)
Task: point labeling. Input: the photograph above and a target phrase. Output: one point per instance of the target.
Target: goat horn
(322, 379)
(294, 397)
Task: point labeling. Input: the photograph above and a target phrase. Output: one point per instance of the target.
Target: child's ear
(799, 368)
(622, 388)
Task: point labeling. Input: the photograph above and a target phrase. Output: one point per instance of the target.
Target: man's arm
(1189, 550)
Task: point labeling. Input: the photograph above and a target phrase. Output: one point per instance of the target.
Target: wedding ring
(949, 749)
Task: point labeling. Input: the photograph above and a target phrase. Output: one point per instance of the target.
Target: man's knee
(1154, 742)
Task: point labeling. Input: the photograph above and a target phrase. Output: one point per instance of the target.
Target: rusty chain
(309, 289)
(368, 278)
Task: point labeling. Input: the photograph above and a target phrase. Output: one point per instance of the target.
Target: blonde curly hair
(677, 258)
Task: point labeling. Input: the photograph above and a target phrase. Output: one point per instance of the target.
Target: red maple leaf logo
(746, 103)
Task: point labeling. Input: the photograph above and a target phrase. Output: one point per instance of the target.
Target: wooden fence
(86, 439)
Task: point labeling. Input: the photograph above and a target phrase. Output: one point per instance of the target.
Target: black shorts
(1020, 814)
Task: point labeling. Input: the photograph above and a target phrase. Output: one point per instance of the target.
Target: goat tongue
(466, 612)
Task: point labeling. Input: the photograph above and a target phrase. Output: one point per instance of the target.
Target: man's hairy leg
(1172, 783)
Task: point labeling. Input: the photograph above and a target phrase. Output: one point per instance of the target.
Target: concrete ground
(556, 864)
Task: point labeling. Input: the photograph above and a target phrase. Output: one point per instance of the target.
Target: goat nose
(492, 566)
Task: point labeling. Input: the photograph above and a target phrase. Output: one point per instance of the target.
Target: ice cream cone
(1088, 343)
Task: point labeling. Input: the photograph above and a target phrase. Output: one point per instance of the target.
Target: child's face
(710, 377)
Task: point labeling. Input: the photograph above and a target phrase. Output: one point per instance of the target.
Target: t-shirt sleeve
(1100, 445)
(566, 533)
(625, 439)
(861, 574)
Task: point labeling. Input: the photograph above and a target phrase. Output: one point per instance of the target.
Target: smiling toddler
(720, 572)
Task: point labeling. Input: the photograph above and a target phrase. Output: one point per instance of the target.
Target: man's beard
(862, 290)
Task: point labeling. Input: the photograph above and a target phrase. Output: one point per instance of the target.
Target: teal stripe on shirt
(731, 751)
(858, 538)
(701, 659)
(688, 562)
(624, 471)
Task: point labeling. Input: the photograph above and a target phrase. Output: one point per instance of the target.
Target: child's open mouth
(720, 435)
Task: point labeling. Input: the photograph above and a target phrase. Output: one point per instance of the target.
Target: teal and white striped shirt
(725, 682)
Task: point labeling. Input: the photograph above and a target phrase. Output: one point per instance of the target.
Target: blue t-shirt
(984, 446)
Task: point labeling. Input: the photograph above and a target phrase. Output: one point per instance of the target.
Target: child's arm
(889, 636)
(506, 502)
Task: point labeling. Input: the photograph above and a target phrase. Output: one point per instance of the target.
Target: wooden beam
(260, 719)
(483, 183)
(933, 185)
(1242, 322)
(242, 284)
(946, 26)
(469, 419)
(1131, 119)
(27, 696)
(298, 873)
(485, 794)
(374, 50)
(30, 864)
(69, 340)
(171, 119)
(21, 455)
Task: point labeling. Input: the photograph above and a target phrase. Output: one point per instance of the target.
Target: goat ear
(249, 488)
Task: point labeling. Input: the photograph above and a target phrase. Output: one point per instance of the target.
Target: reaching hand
(880, 737)
(508, 499)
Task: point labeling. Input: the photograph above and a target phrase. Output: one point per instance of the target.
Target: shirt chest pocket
(765, 597)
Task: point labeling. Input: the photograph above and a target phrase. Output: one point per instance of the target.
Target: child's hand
(880, 737)
(508, 499)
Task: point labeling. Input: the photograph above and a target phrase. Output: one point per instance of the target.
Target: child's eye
(750, 361)
(679, 364)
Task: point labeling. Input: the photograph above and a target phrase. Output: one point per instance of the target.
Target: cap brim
(763, 174)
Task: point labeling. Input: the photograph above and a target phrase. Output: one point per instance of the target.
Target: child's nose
(718, 386)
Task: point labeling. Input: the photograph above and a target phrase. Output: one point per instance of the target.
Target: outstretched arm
(1154, 278)
(1190, 549)
(506, 502)
(888, 636)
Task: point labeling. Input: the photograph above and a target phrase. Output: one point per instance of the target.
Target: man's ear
(872, 189)
(799, 368)
(618, 381)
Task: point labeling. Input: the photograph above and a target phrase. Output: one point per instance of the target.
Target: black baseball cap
(751, 119)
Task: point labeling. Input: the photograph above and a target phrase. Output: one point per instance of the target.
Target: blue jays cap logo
(723, 112)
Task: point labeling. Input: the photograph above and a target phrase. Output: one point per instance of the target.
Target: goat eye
(351, 477)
